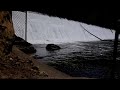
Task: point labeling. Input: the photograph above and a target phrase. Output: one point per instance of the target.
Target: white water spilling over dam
(44, 29)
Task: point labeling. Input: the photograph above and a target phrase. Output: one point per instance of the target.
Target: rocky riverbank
(24, 46)
(14, 63)
(18, 65)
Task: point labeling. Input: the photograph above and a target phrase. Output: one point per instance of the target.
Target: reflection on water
(90, 59)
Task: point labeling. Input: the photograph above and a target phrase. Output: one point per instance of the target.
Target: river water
(86, 59)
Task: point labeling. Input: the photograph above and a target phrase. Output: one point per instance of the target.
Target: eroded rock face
(24, 45)
(7, 35)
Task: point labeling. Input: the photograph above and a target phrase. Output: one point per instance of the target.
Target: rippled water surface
(88, 59)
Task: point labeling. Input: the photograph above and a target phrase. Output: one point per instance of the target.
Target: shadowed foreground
(19, 65)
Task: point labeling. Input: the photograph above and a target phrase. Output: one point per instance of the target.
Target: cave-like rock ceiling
(104, 17)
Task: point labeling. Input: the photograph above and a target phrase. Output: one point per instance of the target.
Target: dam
(44, 29)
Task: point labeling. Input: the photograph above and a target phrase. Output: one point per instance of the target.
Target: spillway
(44, 29)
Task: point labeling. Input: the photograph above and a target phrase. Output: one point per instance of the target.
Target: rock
(35, 68)
(24, 45)
(11, 59)
(44, 74)
(52, 47)
(6, 33)
(29, 61)
(28, 50)
(21, 42)
(37, 57)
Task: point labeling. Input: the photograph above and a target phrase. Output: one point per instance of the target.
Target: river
(86, 59)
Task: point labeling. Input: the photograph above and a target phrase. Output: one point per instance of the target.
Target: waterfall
(44, 29)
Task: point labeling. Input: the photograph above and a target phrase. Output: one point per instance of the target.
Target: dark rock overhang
(103, 17)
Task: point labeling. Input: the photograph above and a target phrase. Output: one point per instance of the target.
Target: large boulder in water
(52, 47)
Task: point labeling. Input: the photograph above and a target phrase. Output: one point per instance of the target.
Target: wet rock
(28, 50)
(37, 57)
(20, 41)
(52, 47)
(24, 45)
